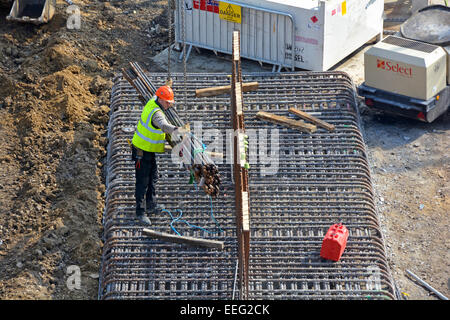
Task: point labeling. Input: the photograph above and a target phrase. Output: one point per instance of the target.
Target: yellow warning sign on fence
(230, 12)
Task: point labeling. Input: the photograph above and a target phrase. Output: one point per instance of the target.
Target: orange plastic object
(334, 243)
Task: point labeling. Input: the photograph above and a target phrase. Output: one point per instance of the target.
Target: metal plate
(431, 25)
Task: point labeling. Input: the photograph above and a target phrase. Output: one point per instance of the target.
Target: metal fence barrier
(267, 35)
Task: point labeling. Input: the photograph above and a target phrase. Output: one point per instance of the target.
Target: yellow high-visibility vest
(146, 136)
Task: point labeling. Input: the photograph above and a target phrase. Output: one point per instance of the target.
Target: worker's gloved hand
(181, 149)
(184, 129)
(180, 133)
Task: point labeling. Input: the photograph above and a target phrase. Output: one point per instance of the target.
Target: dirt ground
(410, 163)
(410, 173)
(54, 97)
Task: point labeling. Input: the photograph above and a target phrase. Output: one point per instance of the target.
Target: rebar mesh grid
(321, 179)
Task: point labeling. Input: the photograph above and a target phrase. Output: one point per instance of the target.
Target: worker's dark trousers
(146, 178)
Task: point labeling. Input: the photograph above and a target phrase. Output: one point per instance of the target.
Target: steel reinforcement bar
(297, 191)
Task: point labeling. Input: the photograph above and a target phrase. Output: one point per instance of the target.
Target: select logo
(394, 67)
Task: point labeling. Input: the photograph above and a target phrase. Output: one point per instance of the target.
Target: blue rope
(190, 224)
(196, 151)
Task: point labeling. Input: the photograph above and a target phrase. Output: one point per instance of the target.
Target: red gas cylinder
(334, 243)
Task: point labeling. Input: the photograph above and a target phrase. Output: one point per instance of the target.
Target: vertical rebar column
(240, 172)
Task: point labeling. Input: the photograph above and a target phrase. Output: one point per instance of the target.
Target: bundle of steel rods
(192, 150)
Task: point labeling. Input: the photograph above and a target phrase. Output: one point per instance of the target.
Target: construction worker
(148, 140)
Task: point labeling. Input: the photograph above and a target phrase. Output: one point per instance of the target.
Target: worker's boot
(144, 219)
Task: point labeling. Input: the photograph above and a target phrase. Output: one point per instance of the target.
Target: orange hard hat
(165, 93)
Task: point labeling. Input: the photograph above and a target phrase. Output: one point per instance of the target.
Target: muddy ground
(54, 97)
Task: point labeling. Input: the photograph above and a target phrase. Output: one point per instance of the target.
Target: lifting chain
(183, 36)
(169, 52)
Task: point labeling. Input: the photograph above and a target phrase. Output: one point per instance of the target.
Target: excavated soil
(54, 95)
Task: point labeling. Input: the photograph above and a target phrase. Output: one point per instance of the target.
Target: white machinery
(307, 34)
(409, 77)
(406, 67)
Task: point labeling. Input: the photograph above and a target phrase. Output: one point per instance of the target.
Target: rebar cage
(321, 178)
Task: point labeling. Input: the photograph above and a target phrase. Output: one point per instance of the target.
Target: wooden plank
(312, 119)
(215, 91)
(284, 121)
(183, 240)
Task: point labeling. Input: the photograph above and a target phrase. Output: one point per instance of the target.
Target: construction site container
(32, 11)
(306, 34)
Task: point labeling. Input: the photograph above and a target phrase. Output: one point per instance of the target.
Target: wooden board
(183, 240)
(284, 121)
(312, 119)
(214, 91)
